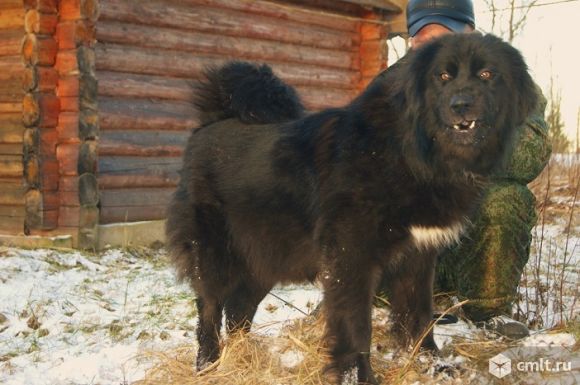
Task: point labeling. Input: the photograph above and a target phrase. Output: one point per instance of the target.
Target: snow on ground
(77, 318)
(73, 318)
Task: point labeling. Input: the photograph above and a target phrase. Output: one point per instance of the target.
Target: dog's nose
(460, 104)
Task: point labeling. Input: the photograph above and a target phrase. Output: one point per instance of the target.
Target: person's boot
(506, 326)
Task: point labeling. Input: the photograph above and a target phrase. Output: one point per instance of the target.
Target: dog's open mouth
(465, 125)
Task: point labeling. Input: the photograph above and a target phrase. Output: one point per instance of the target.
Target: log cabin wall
(12, 184)
(149, 54)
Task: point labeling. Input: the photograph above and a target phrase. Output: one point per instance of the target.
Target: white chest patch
(436, 237)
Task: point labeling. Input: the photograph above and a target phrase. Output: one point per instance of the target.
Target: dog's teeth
(472, 125)
(456, 126)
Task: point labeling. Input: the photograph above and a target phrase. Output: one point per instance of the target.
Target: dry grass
(297, 356)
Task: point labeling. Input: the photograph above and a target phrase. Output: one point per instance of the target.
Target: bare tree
(560, 142)
(508, 20)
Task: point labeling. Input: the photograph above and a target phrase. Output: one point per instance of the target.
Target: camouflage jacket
(532, 147)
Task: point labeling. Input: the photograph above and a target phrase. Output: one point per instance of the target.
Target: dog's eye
(485, 75)
(445, 76)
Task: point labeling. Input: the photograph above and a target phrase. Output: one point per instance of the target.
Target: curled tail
(246, 91)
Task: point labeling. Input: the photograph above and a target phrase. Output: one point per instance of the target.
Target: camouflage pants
(485, 267)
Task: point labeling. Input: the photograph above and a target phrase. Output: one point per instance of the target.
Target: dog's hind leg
(241, 305)
(208, 331)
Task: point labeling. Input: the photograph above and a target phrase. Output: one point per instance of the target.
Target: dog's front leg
(348, 293)
(411, 295)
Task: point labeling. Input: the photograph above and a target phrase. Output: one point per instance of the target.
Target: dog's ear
(526, 97)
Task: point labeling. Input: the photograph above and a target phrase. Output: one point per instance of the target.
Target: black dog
(345, 195)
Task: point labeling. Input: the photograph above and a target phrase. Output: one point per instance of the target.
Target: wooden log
(145, 138)
(68, 85)
(11, 128)
(11, 75)
(11, 149)
(168, 180)
(225, 22)
(40, 23)
(87, 157)
(12, 224)
(32, 171)
(68, 159)
(286, 12)
(47, 144)
(40, 109)
(88, 190)
(45, 6)
(142, 143)
(31, 140)
(39, 50)
(68, 127)
(11, 166)
(135, 197)
(132, 214)
(88, 124)
(12, 192)
(117, 84)
(42, 79)
(10, 4)
(239, 47)
(119, 114)
(71, 34)
(10, 107)
(183, 64)
(317, 99)
(69, 198)
(79, 9)
(12, 18)
(68, 216)
(67, 63)
(11, 212)
(112, 149)
(133, 165)
(10, 42)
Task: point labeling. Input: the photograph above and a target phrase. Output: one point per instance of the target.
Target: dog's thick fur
(345, 195)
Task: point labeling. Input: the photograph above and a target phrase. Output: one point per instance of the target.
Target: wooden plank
(129, 85)
(239, 47)
(173, 63)
(225, 22)
(132, 214)
(119, 114)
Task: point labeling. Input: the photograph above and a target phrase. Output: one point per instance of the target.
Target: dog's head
(467, 95)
